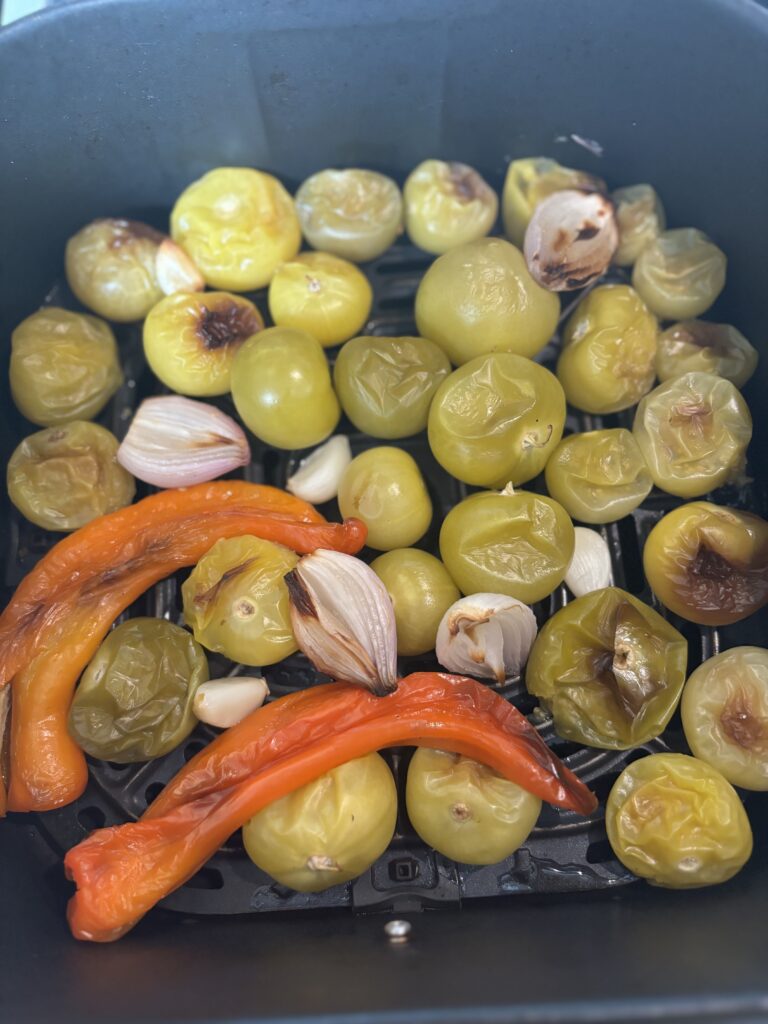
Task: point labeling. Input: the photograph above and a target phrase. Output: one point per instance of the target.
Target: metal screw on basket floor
(398, 931)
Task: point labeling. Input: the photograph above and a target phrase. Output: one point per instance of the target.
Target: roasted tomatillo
(609, 668)
(508, 542)
(465, 810)
(330, 830)
(134, 701)
(675, 821)
(709, 563)
(725, 715)
(236, 600)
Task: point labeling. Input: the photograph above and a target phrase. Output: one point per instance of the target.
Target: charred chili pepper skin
(97, 554)
(64, 608)
(121, 872)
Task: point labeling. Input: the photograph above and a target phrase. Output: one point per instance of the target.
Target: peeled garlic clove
(318, 477)
(175, 271)
(225, 702)
(343, 619)
(571, 239)
(590, 567)
(486, 635)
(177, 442)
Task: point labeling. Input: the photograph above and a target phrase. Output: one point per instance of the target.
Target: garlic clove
(225, 702)
(318, 477)
(175, 271)
(177, 442)
(571, 239)
(343, 619)
(486, 635)
(590, 567)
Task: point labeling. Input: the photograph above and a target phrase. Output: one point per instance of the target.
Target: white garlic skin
(486, 635)
(318, 477)
(590, 567)
(225, 702)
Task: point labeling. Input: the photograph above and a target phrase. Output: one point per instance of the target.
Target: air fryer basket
(296, 89)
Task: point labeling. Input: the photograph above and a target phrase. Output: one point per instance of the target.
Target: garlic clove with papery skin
(225, 702)
(590, 567)
(318, 477)
(343, 619)
(486, 635)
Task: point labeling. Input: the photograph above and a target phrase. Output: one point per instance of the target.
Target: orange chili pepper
(64, 608)
(116, 540)
(122, 872)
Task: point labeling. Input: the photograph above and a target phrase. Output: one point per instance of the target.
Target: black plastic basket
(293, 88)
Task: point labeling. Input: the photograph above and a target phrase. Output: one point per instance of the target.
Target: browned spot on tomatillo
(742, 725)
(467, 184)
(691, 415)
(206, 596)
(711, 565)
(708, 336)
(227, 324)
(127, 231)
(716, 584)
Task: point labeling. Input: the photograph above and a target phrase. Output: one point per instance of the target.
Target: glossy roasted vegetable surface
(677, 822)
(228, 883)
(609, 668)
(134, 701)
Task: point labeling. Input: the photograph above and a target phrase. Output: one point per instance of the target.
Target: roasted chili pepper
(125, 542)
(64, 608)
(121, 872)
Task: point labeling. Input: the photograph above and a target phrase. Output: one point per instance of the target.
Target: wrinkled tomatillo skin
(709, 348)
(598, 476)
(353, 213)
(679, 274)
(236, 600)
(675, 821)
(609, 668)
(238, 225)
(641, 219)
(480, 298)
(64, 366)
(134, 701)
(609, 348)
(725, 715)
(497, 419)
(517, 544)
(708, 563)
(386, 385)
(693, 432)
(63, 477)
(447, 204)
(121, 268)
